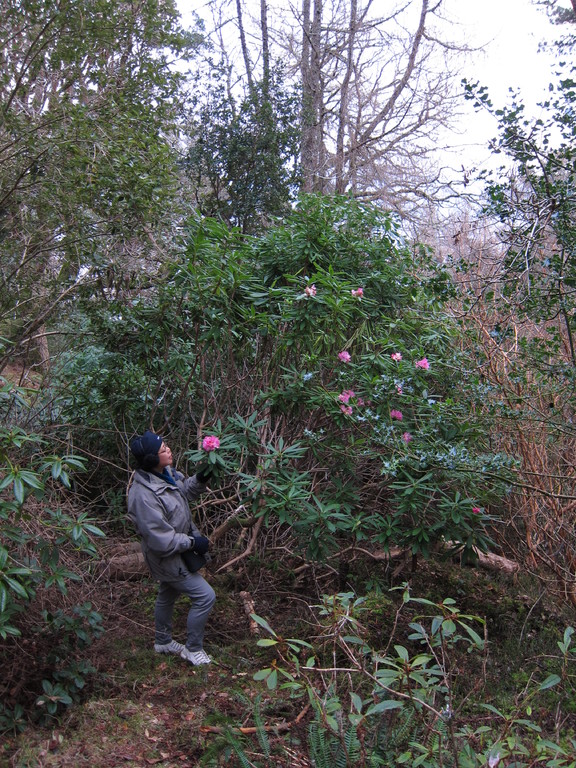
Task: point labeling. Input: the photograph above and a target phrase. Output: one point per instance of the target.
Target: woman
(158, 506)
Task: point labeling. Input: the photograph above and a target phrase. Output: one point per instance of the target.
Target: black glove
(199, 544)
(204, 473)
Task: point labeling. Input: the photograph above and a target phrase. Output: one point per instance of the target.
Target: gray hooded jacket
(161, 515)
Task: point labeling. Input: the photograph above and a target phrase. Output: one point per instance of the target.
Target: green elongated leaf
(94, 530)
(18, 489)
(6, 481)
(332, 723)
(550, 682)
(3, 598)
(383, 706)
(296, 644)
(272, 680)
(448, 627)
(479, 641)
(436, 624)
(266, 642)
(388, 676)
(564, 644)
(356, 701)
(420, 600)
(31, 479)
(490, 708)
(353, 640)
(263, 623)
(402, 652)
(20, 571)
(16, 586)
(76, 463)
(262, 674)
(528, 724)
(77, 533)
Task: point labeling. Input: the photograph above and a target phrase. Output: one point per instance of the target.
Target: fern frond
(321, 743)
(261, 733)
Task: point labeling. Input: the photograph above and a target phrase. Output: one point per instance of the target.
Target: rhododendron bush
(318, 366)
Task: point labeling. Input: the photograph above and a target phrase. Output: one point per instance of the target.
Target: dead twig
(278, 728)
(247, 551)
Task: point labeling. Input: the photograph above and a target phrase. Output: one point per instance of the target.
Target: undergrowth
(511, 694)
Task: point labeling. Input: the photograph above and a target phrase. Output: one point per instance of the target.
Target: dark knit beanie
(145, 449)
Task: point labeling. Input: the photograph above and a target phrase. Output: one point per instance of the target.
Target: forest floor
(144, 709)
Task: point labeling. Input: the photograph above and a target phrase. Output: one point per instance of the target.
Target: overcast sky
(509, 32)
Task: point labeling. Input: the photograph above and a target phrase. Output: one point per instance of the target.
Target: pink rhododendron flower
(407, 437)
(399, 389)
(310, 290)
(360, 401)
(396, 356)
(210, 443)
(346, 395)
(396, 415)
(344, 356)
(358, 293)
(476, 510)
(423, 364)
(347, 409)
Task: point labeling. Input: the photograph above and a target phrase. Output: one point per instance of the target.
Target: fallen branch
(248, 549)
(130, 566)
(230, 521)
(249, 609)
(487, 560)
(278, 728)
(492, 562)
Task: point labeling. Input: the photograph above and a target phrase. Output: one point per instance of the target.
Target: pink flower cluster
(357, 293)
(344, 356)
(476, 510)
(345, 396)
(394, 414)
(397, 356)
(210, 443)
(407, 437)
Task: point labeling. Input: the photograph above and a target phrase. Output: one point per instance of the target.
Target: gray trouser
(202, 597)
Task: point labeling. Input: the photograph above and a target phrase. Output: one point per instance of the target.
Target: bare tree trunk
(265, 50)
(343, 112)
(245, 54)
(43, 350)
(311, 96)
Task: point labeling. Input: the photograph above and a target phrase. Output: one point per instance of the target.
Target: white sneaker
(195, 657)
(171, 647)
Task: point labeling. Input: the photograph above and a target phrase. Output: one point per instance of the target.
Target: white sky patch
(507, 33)
(510, 33)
